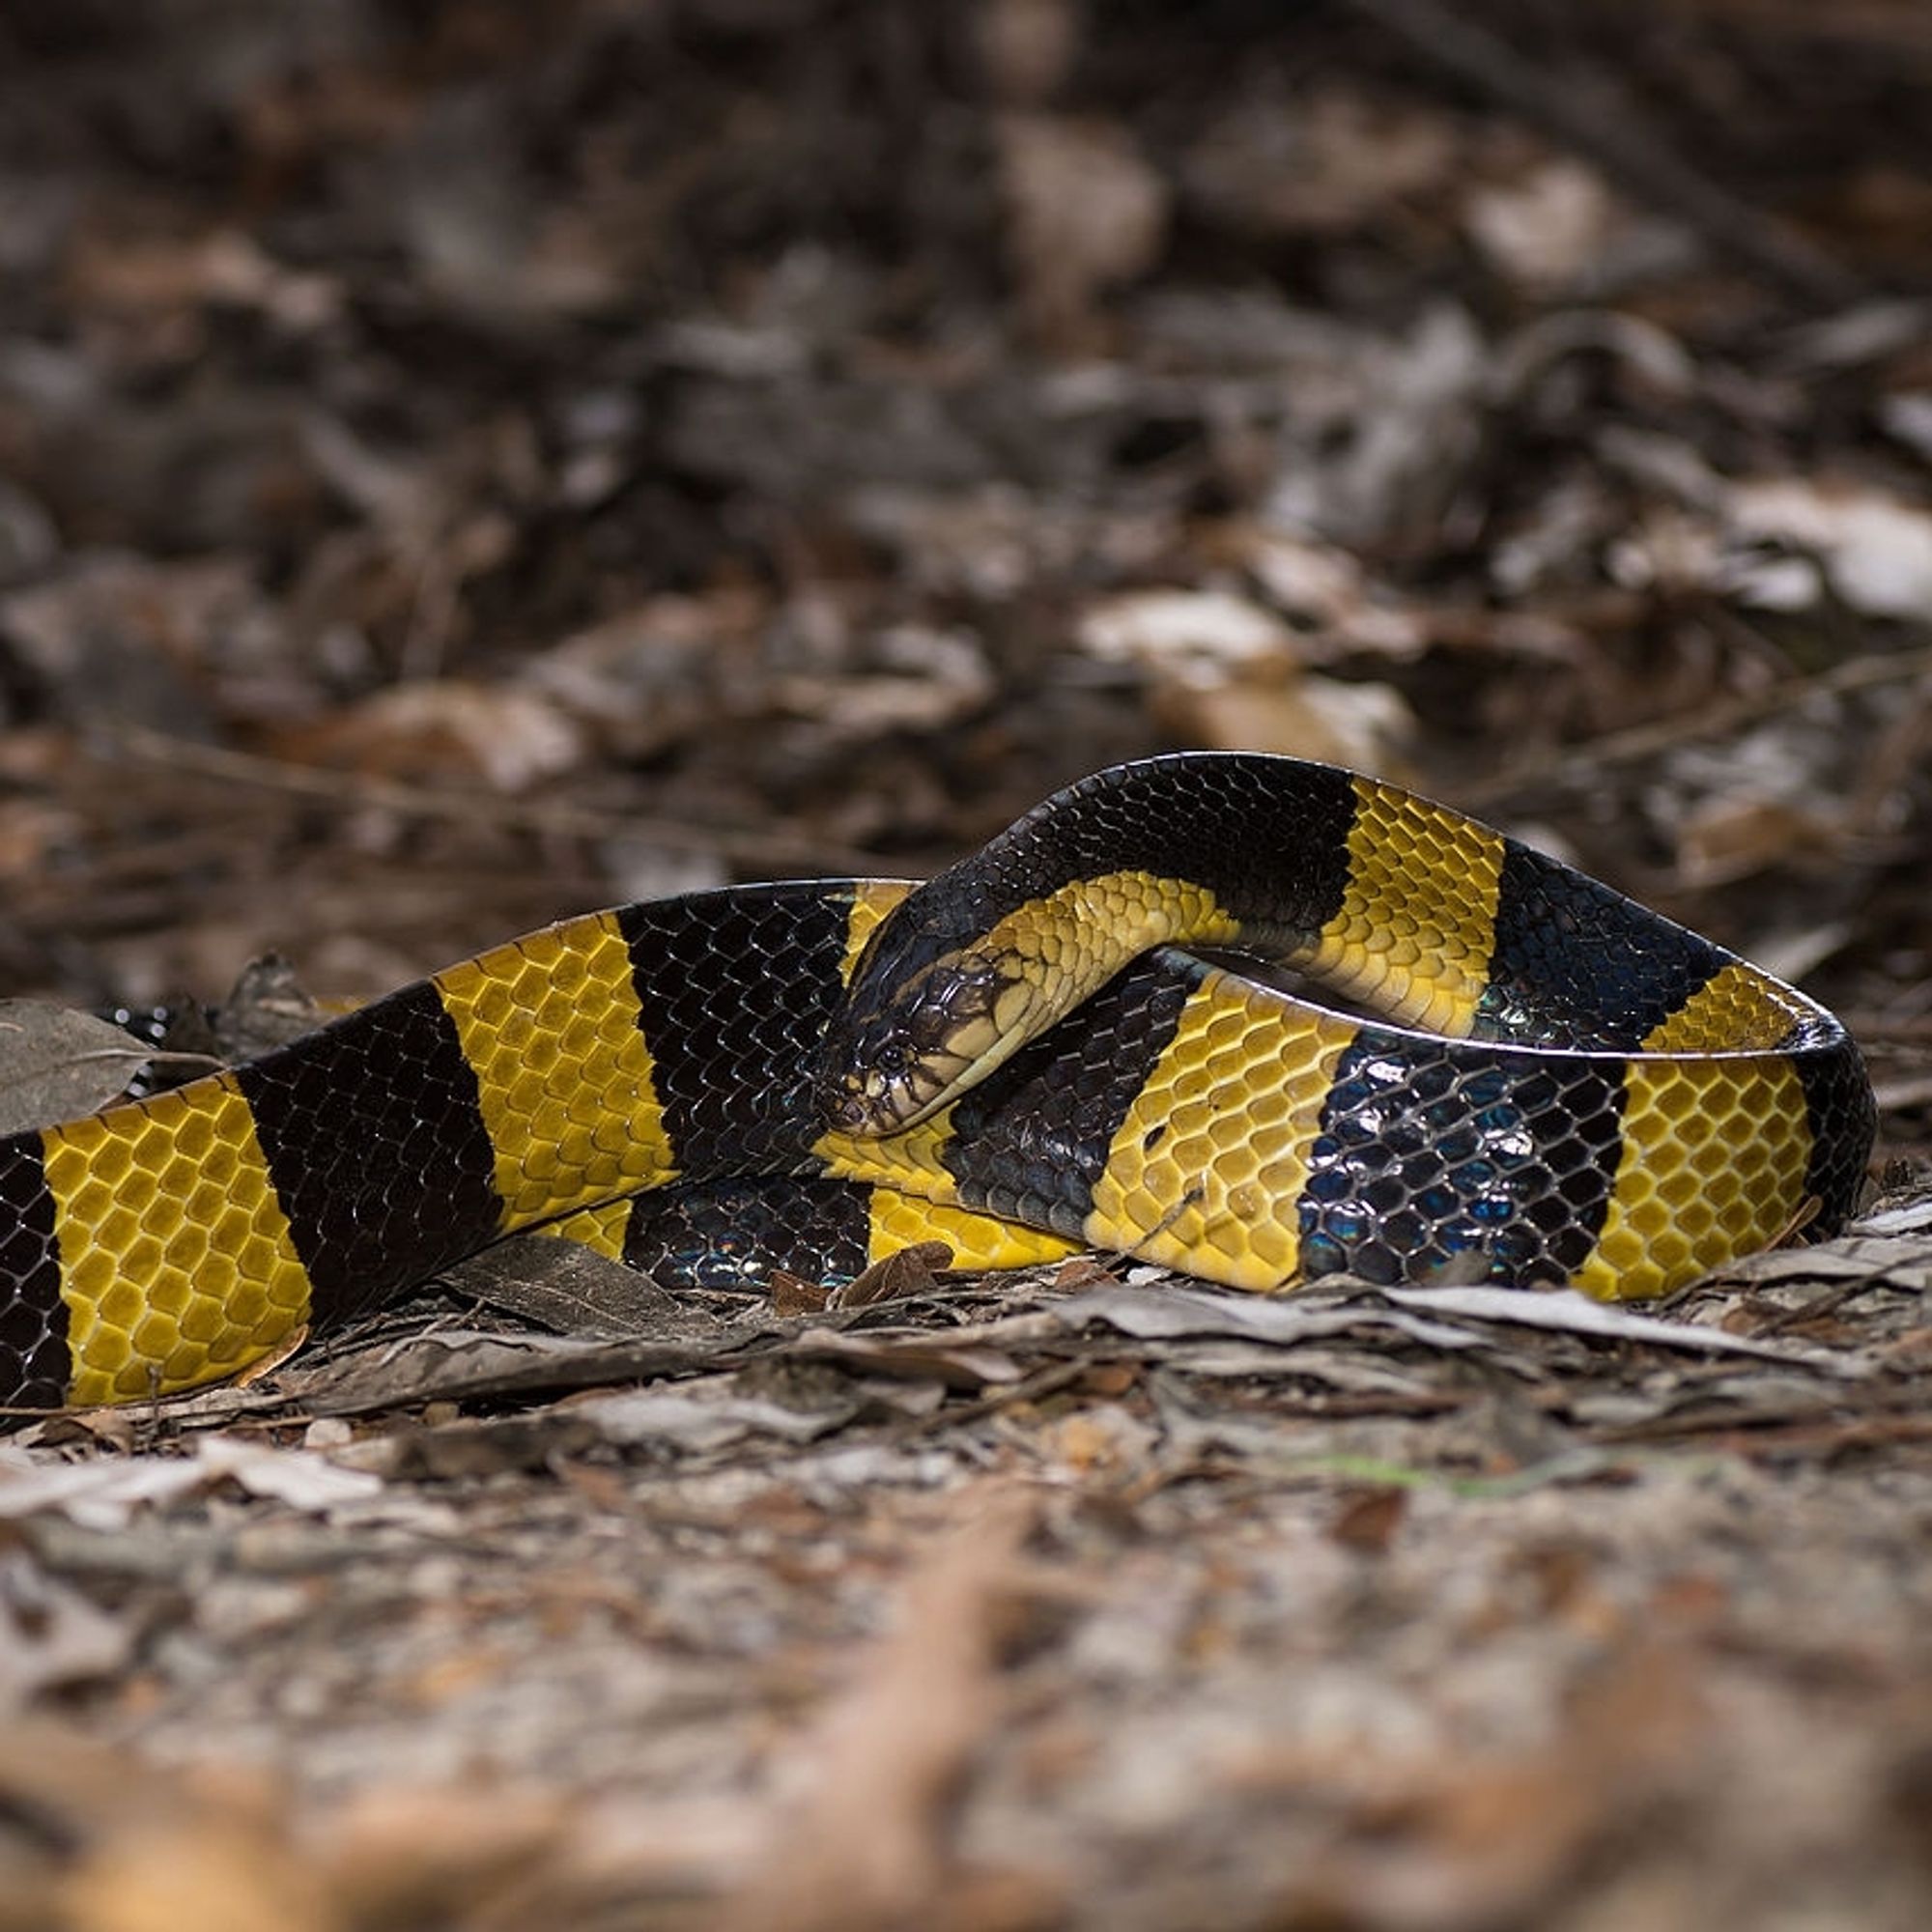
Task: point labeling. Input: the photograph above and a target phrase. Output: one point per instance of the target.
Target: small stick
(1621, 144)
(1712, 721)
(354, 791)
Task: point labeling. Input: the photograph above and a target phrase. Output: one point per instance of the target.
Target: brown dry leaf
(1724, 838)
(867, 1846)
(1194, 634)
(1083, 1271)
(1087, 212)
(1337, 608)
(56, 1063)
(31, 833)
(101, 1493)
(912, 1355)
(1103, 1440)
(1173, 1312)
(264, 1367)
(1577, 1314)
(1903, 1265)
(1548, 228)
(1422, 397)
(794, 1296)
(51, 1635)
(507, 738)
(649, 677)
(214, 1873)
(1226, 673)
(1366, 727)
(572, 1290)
(460, 1365)
(1026, 46)
(114, 637)
(145, 274)
(925, 679)
(1330, 164)
(699, 1418)
(894, 1277)
(104, 1494)
(1875, 550)
(300, 1479)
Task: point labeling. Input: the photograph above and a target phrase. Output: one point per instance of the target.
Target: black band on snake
(1553, 1086)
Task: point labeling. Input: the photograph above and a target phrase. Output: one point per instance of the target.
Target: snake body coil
(1557, 1086)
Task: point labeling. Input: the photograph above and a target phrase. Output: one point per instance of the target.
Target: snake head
(916, 1032)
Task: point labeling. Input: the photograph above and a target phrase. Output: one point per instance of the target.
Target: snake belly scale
(1553, 1086)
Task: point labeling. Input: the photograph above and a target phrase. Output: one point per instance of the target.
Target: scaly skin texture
(1566, 1089)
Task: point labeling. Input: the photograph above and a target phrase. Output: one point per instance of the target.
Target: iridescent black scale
(377, 1150)
(733, 1234)
(1842, 1110)
(734, 992)
(1574, 963)
(1223, 821)
(1434, 1157)
(1430, 1156)
(32, 1317)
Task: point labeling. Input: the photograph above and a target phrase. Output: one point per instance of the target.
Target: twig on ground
(1711, 721)
(1614, 137)
(357, 791)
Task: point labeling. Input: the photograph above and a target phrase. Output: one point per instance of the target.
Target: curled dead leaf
(56, 1063)
(894, 1277)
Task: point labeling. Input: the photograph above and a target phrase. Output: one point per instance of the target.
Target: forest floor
(464, 463)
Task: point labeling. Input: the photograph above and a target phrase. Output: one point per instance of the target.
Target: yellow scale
(178, 1265)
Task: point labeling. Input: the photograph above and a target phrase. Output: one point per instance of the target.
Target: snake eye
(891, 1060)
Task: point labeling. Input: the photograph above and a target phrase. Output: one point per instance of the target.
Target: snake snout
(891, 1067)
(876, 1090)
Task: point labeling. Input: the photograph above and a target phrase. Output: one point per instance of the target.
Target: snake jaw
(950, 1024)
(884, 1097)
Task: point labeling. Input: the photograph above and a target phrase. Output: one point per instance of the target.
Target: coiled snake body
(1555, 1086)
